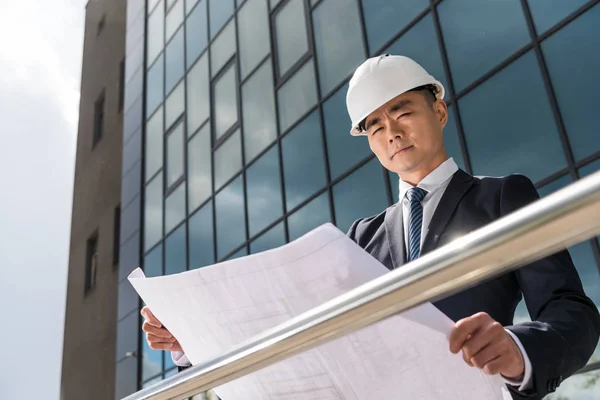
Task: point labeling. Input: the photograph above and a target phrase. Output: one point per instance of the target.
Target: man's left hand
(486, 345)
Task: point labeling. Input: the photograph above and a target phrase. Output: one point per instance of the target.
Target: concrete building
(235, 137)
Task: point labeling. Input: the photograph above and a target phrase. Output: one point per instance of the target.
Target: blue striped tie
(415, 221)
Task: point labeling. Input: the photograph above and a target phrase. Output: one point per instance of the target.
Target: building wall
(246, 143)
(90, 321)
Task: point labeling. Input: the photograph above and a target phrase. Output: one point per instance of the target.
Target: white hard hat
(380, 79)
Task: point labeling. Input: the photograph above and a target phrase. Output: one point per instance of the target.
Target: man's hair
(429, 91)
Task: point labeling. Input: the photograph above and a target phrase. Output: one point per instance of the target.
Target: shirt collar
(434, 180)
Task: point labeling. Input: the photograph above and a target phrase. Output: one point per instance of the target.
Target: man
(400, 108)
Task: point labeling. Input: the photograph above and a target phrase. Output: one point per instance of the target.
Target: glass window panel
(169, 364)
(554, 186)
(573, 59)
(220, 11)
(584, 386)
(189, 5)
(274, 3)
(297, 96)
(303, 163)
(228, 159)
(202, 251)
(589, 169)
(312, 215)
(253, 28)
(170, 3)
(231, 217)
(175, 155)
(198, 95)
(273, 238)
(478, 40)
(263, 186)
(155, 79)
(127, 330)
(351, 204)
(151, 359)
(517, 92)
(344, 150)
(421, 44)
(547, 13)
(152, 4)
(199, 172)
(174, 61)
(339, 42)
(153, 212)
(451, 140)
(153, 262)
(176, 251)
(196, 33)
(175, 104)
(175, 208)
(154, 144)
(258, 112)
(384, 18)
(223, 48)
(291, 37)
(240, 253)
(156, 31)
(226, 111)
(174, 19)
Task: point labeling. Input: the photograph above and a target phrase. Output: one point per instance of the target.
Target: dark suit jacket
(566, 323)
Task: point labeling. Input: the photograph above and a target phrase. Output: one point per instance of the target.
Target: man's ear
(441, 111)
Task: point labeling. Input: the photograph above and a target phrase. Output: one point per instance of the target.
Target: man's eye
(376, 130)
(403, 115)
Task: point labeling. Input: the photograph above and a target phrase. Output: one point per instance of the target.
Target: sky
(40, 45)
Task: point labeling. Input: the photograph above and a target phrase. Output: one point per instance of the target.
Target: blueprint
(213, 309)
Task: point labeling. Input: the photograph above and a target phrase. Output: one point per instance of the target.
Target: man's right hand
(157, 336)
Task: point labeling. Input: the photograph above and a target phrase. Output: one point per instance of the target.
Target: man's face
(406, 133)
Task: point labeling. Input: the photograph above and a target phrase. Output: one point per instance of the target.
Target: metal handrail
(562, 219)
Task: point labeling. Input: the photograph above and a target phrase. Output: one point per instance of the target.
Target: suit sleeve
(566, 323)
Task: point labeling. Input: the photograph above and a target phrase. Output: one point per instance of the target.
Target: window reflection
(175, 251)
(175, 208)
(339, 44)
(228, 159)
(258, 108)
(231, 217)
(201, 249)
(573, 59)
(151, 359)
(153, 262)
(547, 13)
(154, 144)
(174, 105)
(220, 11)
(291, 37)
(155, 38)
(222, 48)
(343, 149)
(589, 169)
(226, 112)
(174, 19)
(303, 162)
(199, 168)
(478, 40)
(175, 155)
(273, 238)
(312, 215)
(154, 85)
(198, 95)
(360, 195)
(297, 96)
(253, 29)
(153, 212)
(196, 31)
(492, 138)
(264, 191)
(384, 18)
(174, 61)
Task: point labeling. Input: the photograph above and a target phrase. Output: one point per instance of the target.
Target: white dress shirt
(435, 184)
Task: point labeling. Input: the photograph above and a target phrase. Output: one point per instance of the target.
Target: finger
(160, 346)
(464, 328)
(159, 332)
(487, 354)
(487, 335)
(150, 338)
(150, 318)
(496, 365)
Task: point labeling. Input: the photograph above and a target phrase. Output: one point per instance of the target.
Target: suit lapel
(459, 185)
(394, 230)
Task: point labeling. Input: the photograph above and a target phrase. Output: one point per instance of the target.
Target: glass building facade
(236, 132)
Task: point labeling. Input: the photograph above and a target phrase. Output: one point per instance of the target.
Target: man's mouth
(401, 150)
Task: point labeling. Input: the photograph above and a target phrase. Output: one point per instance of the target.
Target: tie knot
(415, 194)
